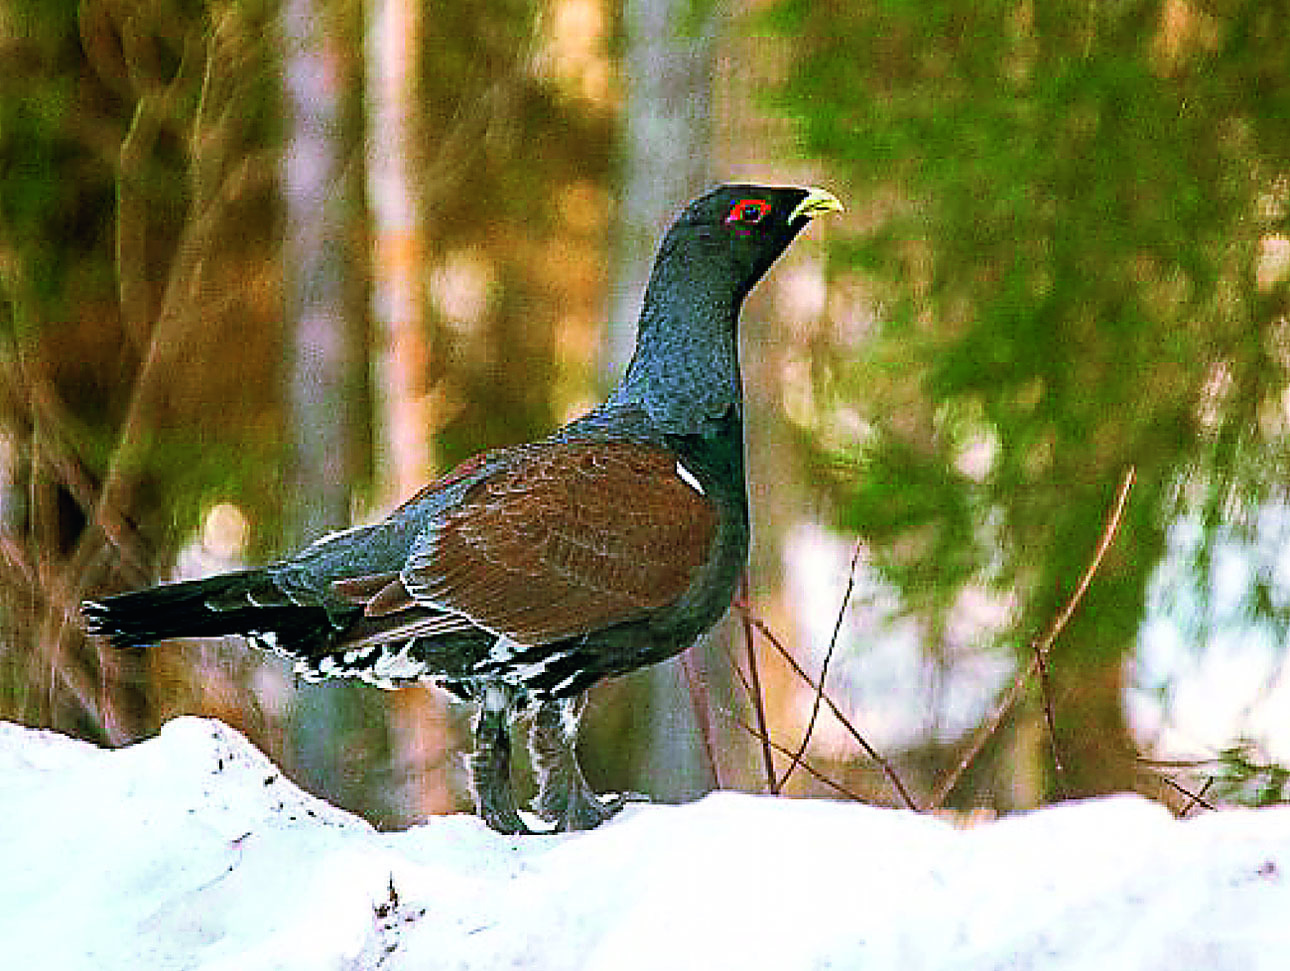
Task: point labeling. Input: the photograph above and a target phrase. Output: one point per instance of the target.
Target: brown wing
(568, 539)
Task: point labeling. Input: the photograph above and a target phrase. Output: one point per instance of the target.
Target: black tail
(247, 603)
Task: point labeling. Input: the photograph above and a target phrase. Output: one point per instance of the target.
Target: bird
(530, 572)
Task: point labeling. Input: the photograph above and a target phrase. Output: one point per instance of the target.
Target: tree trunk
(321, 367)
(668, 62)
(404, 428)
(403, 431)
(667, 149)
(322, 362)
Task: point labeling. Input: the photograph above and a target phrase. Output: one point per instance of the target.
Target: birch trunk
(404, 426)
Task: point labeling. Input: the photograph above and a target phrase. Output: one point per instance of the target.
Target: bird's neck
(685, 371)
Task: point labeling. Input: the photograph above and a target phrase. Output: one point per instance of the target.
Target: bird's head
(738, 231)
(686, 366)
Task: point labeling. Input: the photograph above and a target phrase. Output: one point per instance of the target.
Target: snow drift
(191, 850)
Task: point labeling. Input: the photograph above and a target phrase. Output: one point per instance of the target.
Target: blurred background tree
(1067, 255)
(133, 148)
(156, 392)
(1073, 251)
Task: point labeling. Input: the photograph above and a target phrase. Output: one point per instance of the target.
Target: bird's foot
(498, 809)
(576, 807)
(490, 768)
(565, 799)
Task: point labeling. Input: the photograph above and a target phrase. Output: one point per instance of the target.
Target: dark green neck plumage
(685, 372)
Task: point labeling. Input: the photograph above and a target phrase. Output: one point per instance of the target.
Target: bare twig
(47, 412)
(1193, 798)
(81, 688)
(888, 769)
(806, 766)
(1050, 720)
(159, 105)
(1158, 768)
(734, 663)
(824, 668)
(1176, 764)
(1041, 648)
(15, 559)
(1196, 799)
(983, 734)
(1108, 534)
(754, 690)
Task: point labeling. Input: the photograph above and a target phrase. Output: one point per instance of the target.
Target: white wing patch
(689, 478)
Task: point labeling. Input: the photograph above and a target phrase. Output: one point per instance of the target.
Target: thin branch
(48, 669)
(1158, 768)
(14, 558)
(734, 662)
(1041, 648)
(1108, 534)
(806, 766)
(824, 668)
(46, 411)
(1195, 799)
(888, 769)
(755, 692)
(132, 212)
(1050, 720)
(1159, 764)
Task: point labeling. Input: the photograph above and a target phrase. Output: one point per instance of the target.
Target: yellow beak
(816, 203)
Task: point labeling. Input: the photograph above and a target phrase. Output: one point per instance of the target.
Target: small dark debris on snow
(388, 907)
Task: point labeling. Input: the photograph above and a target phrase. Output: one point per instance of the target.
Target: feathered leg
(490, 765)
(564, 797)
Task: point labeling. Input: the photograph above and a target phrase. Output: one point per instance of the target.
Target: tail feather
(247, 603)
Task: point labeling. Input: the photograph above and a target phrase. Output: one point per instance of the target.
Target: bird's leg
(490, 765)
(564, 797)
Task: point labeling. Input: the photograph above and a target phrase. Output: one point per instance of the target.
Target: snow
(1208, 672)
(191, 850)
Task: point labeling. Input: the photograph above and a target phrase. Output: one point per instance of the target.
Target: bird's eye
(748, 212)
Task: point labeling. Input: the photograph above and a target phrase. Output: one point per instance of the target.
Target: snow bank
(191, 850)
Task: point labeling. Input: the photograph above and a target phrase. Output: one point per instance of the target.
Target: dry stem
(888, 769)
(754, 691)
(824, 668)
(1041, 649)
